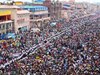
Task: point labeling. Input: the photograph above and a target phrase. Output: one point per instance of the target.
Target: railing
(8, 21)
(40, 19)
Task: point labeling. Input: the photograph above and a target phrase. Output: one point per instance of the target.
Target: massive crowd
(75, 52)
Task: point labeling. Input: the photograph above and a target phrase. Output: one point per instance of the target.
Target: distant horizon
(89, 1)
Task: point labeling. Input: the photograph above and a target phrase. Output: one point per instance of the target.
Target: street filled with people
(68, 48)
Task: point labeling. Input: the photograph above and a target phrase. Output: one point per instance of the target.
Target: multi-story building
(54, 8)
(22, 20)
(6, 24)
(19, 17)
(39, 15)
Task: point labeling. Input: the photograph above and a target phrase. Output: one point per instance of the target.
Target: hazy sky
(91, 1)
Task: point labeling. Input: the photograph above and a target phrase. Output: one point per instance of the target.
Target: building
(54, 8)
(22, 20)
(66, 10)
(18, 3)
(6, 24)
(39, 15)
(19, 17)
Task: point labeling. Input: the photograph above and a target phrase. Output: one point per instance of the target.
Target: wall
(23, 21)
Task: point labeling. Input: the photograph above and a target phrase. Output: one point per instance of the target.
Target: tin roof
(22, 11)
(34, 8)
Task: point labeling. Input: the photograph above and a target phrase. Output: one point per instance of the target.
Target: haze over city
(90, 1)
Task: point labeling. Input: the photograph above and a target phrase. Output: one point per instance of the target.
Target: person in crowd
(76, 52)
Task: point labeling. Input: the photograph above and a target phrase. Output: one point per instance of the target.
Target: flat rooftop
(8, 7)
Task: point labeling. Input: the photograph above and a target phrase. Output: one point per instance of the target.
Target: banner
(5, 12)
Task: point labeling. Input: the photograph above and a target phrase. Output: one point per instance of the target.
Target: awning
(53, 23)
(11, 35)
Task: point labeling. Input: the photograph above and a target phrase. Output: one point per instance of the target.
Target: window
(48, 15)
(8, 25)
(0, 27)
(31, 16)
(3, 26)
(19, 16)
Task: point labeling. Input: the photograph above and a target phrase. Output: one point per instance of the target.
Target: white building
(39, 15)
(22, 20)
(18, 16)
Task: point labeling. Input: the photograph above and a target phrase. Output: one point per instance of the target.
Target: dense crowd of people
(76, 52)
(11, 48)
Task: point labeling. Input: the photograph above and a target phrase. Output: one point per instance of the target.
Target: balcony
(5, 19)
(40, 12)
(40, 19)
(3, 22)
